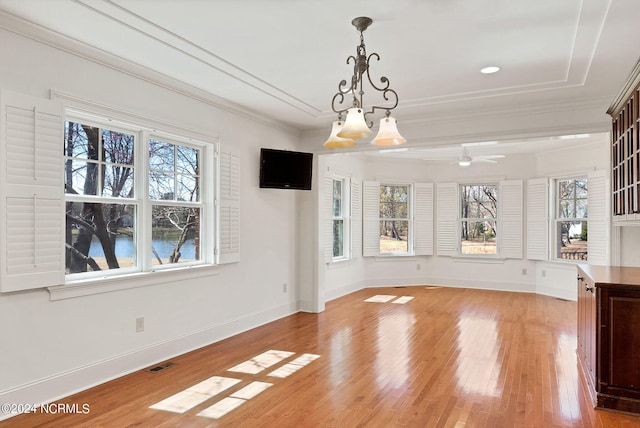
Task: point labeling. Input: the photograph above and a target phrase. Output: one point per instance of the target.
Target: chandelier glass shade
(349, 100)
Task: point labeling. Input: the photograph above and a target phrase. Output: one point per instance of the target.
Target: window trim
(143, 134)
(346, 217)
(460, 219)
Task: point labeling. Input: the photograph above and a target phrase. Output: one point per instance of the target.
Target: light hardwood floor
(447, 358)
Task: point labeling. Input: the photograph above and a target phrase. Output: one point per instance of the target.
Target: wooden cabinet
(608, 335)
(625, 151)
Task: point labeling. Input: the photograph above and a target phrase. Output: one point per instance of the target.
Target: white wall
(53, 348)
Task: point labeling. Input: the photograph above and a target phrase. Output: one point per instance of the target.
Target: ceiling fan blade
(490, 157)
(484, 161)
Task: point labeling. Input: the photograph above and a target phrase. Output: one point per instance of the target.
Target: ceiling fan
(466, 160)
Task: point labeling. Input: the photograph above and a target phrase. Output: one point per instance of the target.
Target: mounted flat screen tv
(283, 169)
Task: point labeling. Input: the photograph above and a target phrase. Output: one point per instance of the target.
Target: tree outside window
(394, 219)
(478, 214)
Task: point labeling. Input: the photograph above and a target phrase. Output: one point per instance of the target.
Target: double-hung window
(134, 201)
(341, 215)
(571, 212)
(478, 219)
(394, 219)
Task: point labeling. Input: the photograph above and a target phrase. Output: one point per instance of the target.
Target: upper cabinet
(625, 154)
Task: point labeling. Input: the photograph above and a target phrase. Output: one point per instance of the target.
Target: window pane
(187, 188)
(337, 198)
(338, 238)
(162, 186)
(161, 156)
(99, 236)
(187, 160)
(581, 208)
(118, 147)
(81, 177)
(566, 189)
(567, 209)
(175, 233)
(478, 237)
(118, 182)
(394, 236)
(572, 241)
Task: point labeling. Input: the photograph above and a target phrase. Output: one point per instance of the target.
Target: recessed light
(490, 70)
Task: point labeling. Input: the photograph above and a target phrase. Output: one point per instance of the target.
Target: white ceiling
(284, 58)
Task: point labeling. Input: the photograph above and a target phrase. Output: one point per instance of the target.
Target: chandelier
(349, 100)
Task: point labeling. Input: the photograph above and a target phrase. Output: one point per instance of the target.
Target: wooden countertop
(612, 276)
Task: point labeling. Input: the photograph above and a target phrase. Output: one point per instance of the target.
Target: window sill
(93, 286)
(477, 259)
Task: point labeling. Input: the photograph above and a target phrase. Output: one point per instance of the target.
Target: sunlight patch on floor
(261, 362)
(385, 298)
(380, 298)
(402, 300)
(294, 365)
(191, 397)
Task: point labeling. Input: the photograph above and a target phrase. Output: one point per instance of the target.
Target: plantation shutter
(327, 211)
(446, 219)
(356, 219)
(229, 207)
(510, 218)
(598, 218)
(423, 219)
(31, 185)
(371, 218)
(537, 219)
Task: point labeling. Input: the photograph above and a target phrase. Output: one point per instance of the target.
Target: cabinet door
(619, 367)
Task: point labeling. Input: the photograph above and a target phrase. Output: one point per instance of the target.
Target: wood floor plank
(447, 358)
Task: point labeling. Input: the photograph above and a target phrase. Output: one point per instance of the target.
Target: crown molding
(82, 50)
(630, 85)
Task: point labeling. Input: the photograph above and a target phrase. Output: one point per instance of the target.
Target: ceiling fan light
(388, 134)
(335, 142)
(355, 126)
(464, 162)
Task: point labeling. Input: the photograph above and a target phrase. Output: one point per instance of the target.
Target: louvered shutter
(423, 219)
(537, 219)
(229, 207)
(371, 219)
(32, 215)
(510, 218)
(327, 219)
(598, 218)
(356, 219)
(446, 219)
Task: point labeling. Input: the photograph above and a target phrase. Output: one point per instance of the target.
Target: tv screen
(283, 169)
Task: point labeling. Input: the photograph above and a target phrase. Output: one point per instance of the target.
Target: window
(134, 202)
(394, 219)
(478, 219)
(571, 218)
(340, 218)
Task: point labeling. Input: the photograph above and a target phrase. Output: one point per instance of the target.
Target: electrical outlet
(139, 324)
(544, 273)
(524, 271)
(418, 266)
(284, 287)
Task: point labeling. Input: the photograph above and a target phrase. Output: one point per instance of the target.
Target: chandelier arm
(383, 79)
(335, 105)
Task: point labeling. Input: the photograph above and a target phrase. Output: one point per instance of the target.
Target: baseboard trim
(61, 385)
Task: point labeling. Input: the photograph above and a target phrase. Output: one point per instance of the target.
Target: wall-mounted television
(284, 169)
